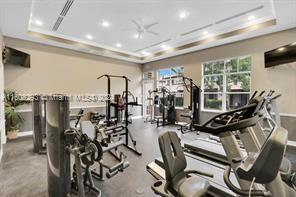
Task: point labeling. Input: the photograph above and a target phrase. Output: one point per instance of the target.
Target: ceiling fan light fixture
(137, 36)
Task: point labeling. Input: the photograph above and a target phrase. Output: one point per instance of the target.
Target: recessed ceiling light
(205, 32)
(281, 49)
(105, 24)
(88, 36)
(183, 14)
(118, 45)
(251, 18)
(38, 22)
(145, 53)
(164, 46)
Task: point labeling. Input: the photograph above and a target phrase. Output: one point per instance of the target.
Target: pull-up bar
(114, 76)
(108, 110)
(190, 80)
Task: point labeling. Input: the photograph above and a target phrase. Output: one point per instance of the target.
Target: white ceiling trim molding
(90, 48)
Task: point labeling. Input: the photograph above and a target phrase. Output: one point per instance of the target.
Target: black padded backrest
(88, 128)
(173, 156)
(265, 165)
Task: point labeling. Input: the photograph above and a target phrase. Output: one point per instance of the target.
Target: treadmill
(232, 150)
(213, 149)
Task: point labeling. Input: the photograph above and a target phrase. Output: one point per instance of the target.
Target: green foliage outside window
(235, 74)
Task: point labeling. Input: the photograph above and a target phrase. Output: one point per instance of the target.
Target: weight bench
(188, 125)
(182, 126)
(158, 118)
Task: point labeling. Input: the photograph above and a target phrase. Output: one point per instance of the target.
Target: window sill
(212, 111)
(180, 108)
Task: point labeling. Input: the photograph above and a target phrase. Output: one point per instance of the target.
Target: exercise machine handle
(261, 94)
(275, 97)
(238, 190)
(253, 95)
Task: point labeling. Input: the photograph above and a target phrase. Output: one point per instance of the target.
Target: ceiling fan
(141, 28)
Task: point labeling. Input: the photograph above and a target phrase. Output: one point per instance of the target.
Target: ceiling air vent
(63, 14)
(197, 29)
(57, 24)
(240, 14)
(148, 75)
(66, 7)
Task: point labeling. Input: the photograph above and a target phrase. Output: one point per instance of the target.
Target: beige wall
(281, 78)
(2, 125)
(56, 70)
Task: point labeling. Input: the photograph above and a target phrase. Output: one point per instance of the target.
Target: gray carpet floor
(24, 174)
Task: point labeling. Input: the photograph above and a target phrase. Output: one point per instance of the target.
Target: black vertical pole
(199, 104)
(109, 99)
(126, 110)
(191, 94)
(37, 124)
(163, 107)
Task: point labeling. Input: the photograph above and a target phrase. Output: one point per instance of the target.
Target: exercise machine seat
(264, 166)
(175, 164)
(88, 128)
(193, 187)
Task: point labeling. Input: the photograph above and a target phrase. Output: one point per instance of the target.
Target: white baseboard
(24, 133)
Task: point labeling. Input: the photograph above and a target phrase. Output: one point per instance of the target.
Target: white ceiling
(85, 17)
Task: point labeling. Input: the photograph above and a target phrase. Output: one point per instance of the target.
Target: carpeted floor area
(23, 173)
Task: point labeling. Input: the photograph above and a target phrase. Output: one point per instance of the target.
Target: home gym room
(147, 98)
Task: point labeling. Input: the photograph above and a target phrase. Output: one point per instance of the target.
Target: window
(226, 83)
(171, 78)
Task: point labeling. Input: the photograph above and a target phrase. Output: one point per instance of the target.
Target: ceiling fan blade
(137, 24)
(152, 32)
(150, 25)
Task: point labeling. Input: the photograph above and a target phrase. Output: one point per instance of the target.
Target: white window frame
(224, 74)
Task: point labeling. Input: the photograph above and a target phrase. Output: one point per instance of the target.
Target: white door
(148, 85)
